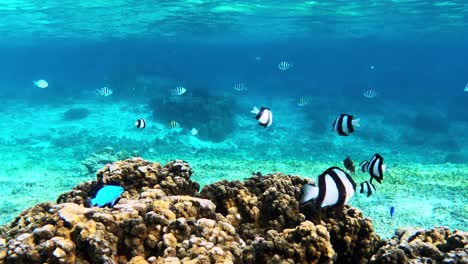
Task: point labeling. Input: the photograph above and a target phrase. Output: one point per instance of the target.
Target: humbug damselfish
(335, 188)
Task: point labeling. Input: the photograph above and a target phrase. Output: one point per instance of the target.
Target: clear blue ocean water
(412, 53)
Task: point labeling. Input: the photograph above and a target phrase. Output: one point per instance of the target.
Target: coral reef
(96, 160)
(412, 245)
(454, 111)
(163, 218)
(456, 158)
(75, 114)
(432, 122)
(212, 116)
(263, 204)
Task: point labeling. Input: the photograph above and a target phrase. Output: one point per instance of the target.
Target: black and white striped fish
(284, 65)
(375, 167)
(364, 166)
(344, 124)
(240, 87)
(104, 91)
(140, 123)
(335, 188)
(179, 90)
(173, 124)
(301, 102)
(264, 116)
(367, 188)
(370, 93)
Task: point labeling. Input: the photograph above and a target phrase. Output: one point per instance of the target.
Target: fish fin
(254, 110)
(356, 122)
(309, 193)
(378, 180)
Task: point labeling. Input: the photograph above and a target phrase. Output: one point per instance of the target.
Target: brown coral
(270, 202)
(135, 176)
(307, 243)
(161, 218)
(437, 245)
(261, 201)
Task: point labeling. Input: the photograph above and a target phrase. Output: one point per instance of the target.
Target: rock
(75, 114)
(44, 232)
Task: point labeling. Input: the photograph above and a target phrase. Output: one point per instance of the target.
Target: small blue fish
(392, 211)
(107, 195)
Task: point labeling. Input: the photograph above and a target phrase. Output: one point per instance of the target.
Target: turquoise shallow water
(41, 163)
(412, 53)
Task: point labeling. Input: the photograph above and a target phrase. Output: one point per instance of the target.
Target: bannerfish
(264, 116)
(349, 165)
(284, 65)
(335, 188)
(107, 195)
(240, 87)
(194, 131)
(173, 124)
(140, 123)
(375, 167)
(41, 83)
(370, 93)
(301, 102)
(392, 211)
(466, 87)
(344, 124)
(179, 90)
(104, 91)
(367, 188)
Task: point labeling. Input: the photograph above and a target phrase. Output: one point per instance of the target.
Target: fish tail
(254, 110)
(356, 122)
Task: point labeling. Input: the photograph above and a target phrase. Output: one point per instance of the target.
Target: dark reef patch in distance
(212, 115)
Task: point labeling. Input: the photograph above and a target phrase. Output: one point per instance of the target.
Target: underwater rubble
(162, 217)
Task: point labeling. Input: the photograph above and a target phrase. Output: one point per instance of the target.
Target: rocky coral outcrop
(75, 114)
(156, 220)
(415, 245)
(265, 203)
(162, 218)
(135, 176)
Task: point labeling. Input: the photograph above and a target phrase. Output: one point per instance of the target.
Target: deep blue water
(415, 73)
